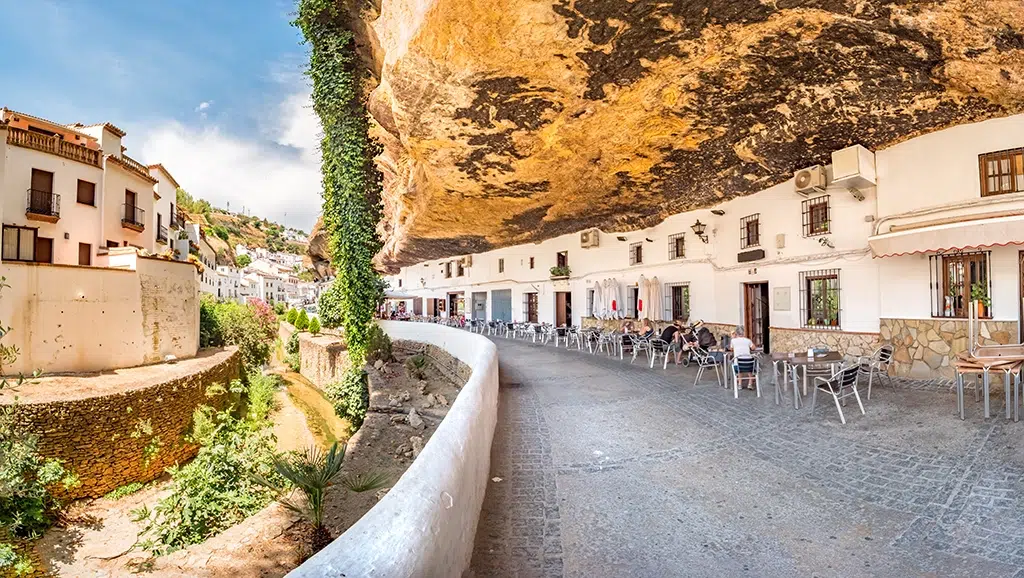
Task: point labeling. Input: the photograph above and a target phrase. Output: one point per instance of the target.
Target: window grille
(816, 215)
(501, 265)
(1002, 172)
(590, 302)
(562, 259)
(636, 253)
(677, 301)
(954, 276)
(750, 231)
(677, 246)
(819, 299)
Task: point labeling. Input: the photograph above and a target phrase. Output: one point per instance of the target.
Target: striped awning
(974, 234)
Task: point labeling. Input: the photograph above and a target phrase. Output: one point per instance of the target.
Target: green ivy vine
(352, 184)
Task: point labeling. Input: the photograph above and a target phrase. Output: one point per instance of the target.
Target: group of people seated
(681, 339)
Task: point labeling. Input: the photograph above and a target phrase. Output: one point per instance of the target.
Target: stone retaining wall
(127, 436)
(445, 362)
(854, 344)
(924, 348)
(324, 359)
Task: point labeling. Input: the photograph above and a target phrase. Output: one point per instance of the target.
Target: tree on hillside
(243, 260)
(192, 205)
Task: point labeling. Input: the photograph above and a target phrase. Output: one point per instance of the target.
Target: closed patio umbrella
(620, 290)
(657, 306)
(598, 312)
(643, 298)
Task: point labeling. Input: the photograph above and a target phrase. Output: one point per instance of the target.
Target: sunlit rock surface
(510, 121)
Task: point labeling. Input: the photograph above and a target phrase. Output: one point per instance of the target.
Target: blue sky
(213, 89)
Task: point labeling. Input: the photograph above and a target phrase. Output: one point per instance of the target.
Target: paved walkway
(615, 470)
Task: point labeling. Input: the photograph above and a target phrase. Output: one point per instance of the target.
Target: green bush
(351, 396)
(217, 489)
(260, 396)
(280, 308)
(291, 316)
(221, 232)
(252, 327)
(123, 491)
(329, 308)
(302, 321)
(294, 362)
(416, 365)
(378, 345)
(293, 344)
(314, 325)
(13, 563)
(243, 261)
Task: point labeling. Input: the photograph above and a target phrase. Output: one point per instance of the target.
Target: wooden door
(755, 314)
(84, 254)
(42, 192)
(531, 308)
(561, 308)
(44, 250)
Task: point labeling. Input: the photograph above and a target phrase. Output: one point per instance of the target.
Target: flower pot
(981, 309)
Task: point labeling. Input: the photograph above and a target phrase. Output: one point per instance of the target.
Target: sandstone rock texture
(513, 121)
(924, 348)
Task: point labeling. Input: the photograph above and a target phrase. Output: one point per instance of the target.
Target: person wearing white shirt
(741, 347)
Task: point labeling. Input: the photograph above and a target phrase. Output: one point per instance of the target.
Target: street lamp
(698, 229)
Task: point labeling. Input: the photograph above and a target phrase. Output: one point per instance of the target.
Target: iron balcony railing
(161, 234)
(43, 203)
(133, 217)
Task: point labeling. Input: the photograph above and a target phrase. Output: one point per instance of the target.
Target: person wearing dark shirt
(673, 335)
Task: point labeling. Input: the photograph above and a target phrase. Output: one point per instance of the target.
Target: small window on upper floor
(1002, 172)
(448, 270)
(399, 282)
(562, 259)
(816, 215)
(750, 231)
(86, 192)
(501, 265)
(636, 253)
(531, 262)
(460, 270)
(676, 246)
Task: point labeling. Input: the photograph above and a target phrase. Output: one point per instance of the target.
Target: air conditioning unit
(467, 261)
(810, 181)
(590, 239)
(854, 167)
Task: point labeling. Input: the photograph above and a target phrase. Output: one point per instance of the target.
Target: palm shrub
(314, 473)
(416, 365)
(302, 321)
(314, 326)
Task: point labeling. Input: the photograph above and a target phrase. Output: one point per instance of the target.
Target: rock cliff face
(511, 121)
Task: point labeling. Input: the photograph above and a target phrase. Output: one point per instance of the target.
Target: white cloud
(277, 177)
(204, 105)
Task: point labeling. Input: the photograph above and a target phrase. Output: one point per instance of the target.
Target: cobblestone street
(608, 469)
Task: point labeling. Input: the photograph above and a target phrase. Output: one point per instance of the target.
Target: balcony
(42, 206)
(161, 235)
(54, 145)
(133, 218)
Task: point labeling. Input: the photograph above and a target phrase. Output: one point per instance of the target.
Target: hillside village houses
(886, 246)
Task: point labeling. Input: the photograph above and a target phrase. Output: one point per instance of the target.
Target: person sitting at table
(741, 347)
(672, 334)
(647, 331)
(627, 328)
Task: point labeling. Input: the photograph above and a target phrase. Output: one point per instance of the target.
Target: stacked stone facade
(924, 348)
(849, 344)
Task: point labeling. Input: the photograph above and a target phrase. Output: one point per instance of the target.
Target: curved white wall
(426, 524)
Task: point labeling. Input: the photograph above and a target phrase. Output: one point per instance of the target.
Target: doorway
(756, 314)
(530, 306)
(563, 308)
(456, 305)
(479, 305)
(501, 305)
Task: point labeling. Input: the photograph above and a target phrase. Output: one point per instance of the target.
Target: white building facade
(890, 248)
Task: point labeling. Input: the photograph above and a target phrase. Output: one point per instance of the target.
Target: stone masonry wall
(106, 440)
(924, 348)
(850, 344)
(324, 359)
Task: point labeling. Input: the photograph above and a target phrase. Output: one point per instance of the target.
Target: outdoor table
(1010, 368)
(793, 361)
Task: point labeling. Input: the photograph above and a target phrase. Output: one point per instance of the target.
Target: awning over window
(979, 234)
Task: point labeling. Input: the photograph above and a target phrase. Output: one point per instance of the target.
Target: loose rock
(417, 445)
(378, 364)
(414, 419)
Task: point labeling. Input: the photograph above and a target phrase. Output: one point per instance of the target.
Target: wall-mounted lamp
(698, 229)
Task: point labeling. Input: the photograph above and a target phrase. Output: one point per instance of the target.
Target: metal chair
(877, 363)
(707, 361)
(745, 368)
(639, 344)
(573, 335)
(538, 331)
(840, 385)
(659, 347)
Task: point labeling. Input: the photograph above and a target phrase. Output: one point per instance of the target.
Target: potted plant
(979, 293)
(560, 272)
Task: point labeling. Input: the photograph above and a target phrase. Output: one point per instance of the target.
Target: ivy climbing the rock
(351, 181)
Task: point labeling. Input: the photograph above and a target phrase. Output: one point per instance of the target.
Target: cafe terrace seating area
(794, 378)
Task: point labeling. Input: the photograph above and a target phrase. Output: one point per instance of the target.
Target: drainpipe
(3, 164)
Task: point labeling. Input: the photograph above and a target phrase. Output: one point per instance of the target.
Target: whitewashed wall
(116, 180)
(426, 524)
(73, 319)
